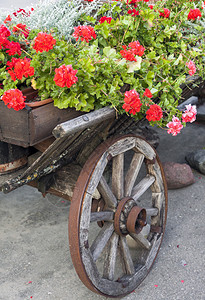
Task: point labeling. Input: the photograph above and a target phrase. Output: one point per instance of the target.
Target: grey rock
(197, 160)
(177, 175)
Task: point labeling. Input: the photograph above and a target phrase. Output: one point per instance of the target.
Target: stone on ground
(197, 160)
(178, 175)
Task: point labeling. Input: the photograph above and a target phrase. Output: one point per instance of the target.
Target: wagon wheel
(114, 245)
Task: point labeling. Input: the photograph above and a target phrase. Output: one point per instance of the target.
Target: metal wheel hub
(129, 218)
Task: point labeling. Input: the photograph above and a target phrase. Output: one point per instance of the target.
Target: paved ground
(34, 240)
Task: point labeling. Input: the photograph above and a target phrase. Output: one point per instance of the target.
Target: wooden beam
(80, 123)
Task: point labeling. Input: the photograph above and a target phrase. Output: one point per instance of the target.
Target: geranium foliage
(133, 56)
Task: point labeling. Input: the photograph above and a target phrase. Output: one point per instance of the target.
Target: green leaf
(134, 65)
(180, 58)
(109, 52)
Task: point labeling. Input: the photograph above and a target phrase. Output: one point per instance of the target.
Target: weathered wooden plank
(14, 125)
(153, 252)
(157, 202)
(106, 193)
(97, 173)
(118, 176)
(130, 269)
(142, 186)
(133, 172)
(30, 126)
(143, 147)
(154, 169)
(85, 121)
(122, 146)
(43, 120)
(110, 259)
(42, 146)
(140, 239)
(102, 216)
(101, 240)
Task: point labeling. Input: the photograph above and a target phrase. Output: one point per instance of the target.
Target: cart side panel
(14, 125)
(43, 120)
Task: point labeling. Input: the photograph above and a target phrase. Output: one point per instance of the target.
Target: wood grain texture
(106, 193)
(110, 258)
(118, 176)
(85, 121)
(142, 186)
(101, 240)
(133, 172)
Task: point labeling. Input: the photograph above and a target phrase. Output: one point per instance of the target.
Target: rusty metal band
(14, 165)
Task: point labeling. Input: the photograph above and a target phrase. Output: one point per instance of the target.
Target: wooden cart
(119, 197)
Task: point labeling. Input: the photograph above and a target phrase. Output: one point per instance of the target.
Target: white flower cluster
(60, 14)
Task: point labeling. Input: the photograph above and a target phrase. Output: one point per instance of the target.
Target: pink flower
(190, 114)
(192, 67)
(175, 126)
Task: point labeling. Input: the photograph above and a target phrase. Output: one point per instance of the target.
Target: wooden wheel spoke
(101, 240)
(133, 172)
(158, 199)
(110, 259)
(153, 212)
(125, 251)
(97, 174)
(118, 175)
(140, 239)
(142, 186)
(101, 216)
(106, 193)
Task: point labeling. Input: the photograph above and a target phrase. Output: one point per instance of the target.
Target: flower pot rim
(39, 103)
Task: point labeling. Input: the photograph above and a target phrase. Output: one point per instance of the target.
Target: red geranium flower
(14, 48)
(4, 32)
(8, 19)
(137, 48)
(132, 102)
(14, 98)
(133, 12)
(165, 13)
(154, 113)
(130, 54)
(43, 42)
(194, 14)
(21, 29)
(107, 19)
(65, 76)
(147, 93)
(3, 42)
(19, 68)
(86, 33)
